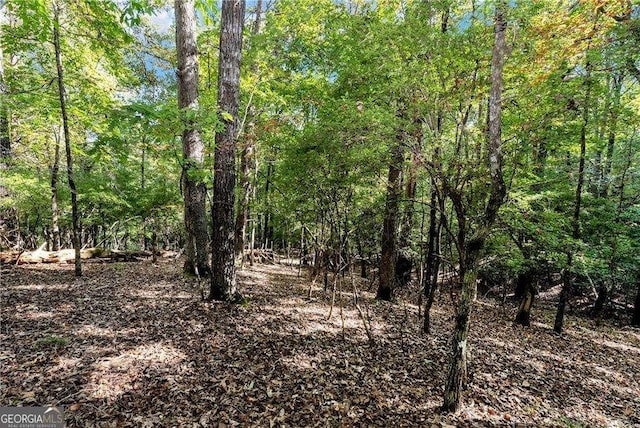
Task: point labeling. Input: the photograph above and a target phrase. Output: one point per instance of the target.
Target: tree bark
(390, 224)
(5, 131)
(525, 284)
(611, 138)
(75, 216)
(266, 235)
(432, 265)
(223, 279)
(471, 249)
(247, 163)
(194, 188)
(457, 373)
(567, 283)
(55, 228)
(404, 262)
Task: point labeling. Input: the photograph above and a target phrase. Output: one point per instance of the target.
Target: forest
(321, 212)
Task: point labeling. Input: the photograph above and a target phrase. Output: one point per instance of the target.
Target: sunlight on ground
(280, 352)
(153, 293)
(579, 411)
(110, 333)
(301, 361)
(312, 317)
(65, 364)
(114, 376)
(605, 385)
(605, 338)
(619, 346)
(37, 312)
(40, 287)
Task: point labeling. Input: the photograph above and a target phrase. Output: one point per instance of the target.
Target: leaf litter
(132, 344)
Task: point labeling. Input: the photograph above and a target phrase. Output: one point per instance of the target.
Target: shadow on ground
(131, 344)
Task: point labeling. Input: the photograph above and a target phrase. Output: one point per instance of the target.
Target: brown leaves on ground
(133, 345)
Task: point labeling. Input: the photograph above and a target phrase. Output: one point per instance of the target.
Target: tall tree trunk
(7, 216)
(5, 131)
(611, 139)
(432, 265)
(143, 161)
(223, 279)
(194, 188)
(567, 281)
(471, 250)
(390, 223)
(55, 228)
(75, 217)
(267, 211)
(404, 262)
(246, 162)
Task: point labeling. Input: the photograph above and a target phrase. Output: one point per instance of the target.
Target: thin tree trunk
(432, 265)
(194, 188)
(223, 279)
(75, 217)
(267, 216)
(246, 163)
(142, 164)
(5, 129)
(567, 282)
(611, 139)
(55, 228)
(5, 139)
(471, 249)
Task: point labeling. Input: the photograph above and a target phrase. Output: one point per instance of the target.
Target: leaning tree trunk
(390, 224)
(567, 282)
(75, 217)
(194, 188)
(456, 375)
(223, 279)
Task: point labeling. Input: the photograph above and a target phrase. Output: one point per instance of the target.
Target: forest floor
(132, 344)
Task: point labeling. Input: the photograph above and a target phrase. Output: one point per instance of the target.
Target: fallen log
(260, 256)
(68, 255)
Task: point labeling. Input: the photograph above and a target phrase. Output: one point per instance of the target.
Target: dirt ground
(132, 344)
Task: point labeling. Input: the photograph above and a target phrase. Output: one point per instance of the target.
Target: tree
(470, 249)
(75, 216)
(55, 168)
(223, 279)
(194, 188)
(567, 280)
(247, 159)
(390, 223)
(5, 132)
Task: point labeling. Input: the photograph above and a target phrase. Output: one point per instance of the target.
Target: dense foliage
(332, 94)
